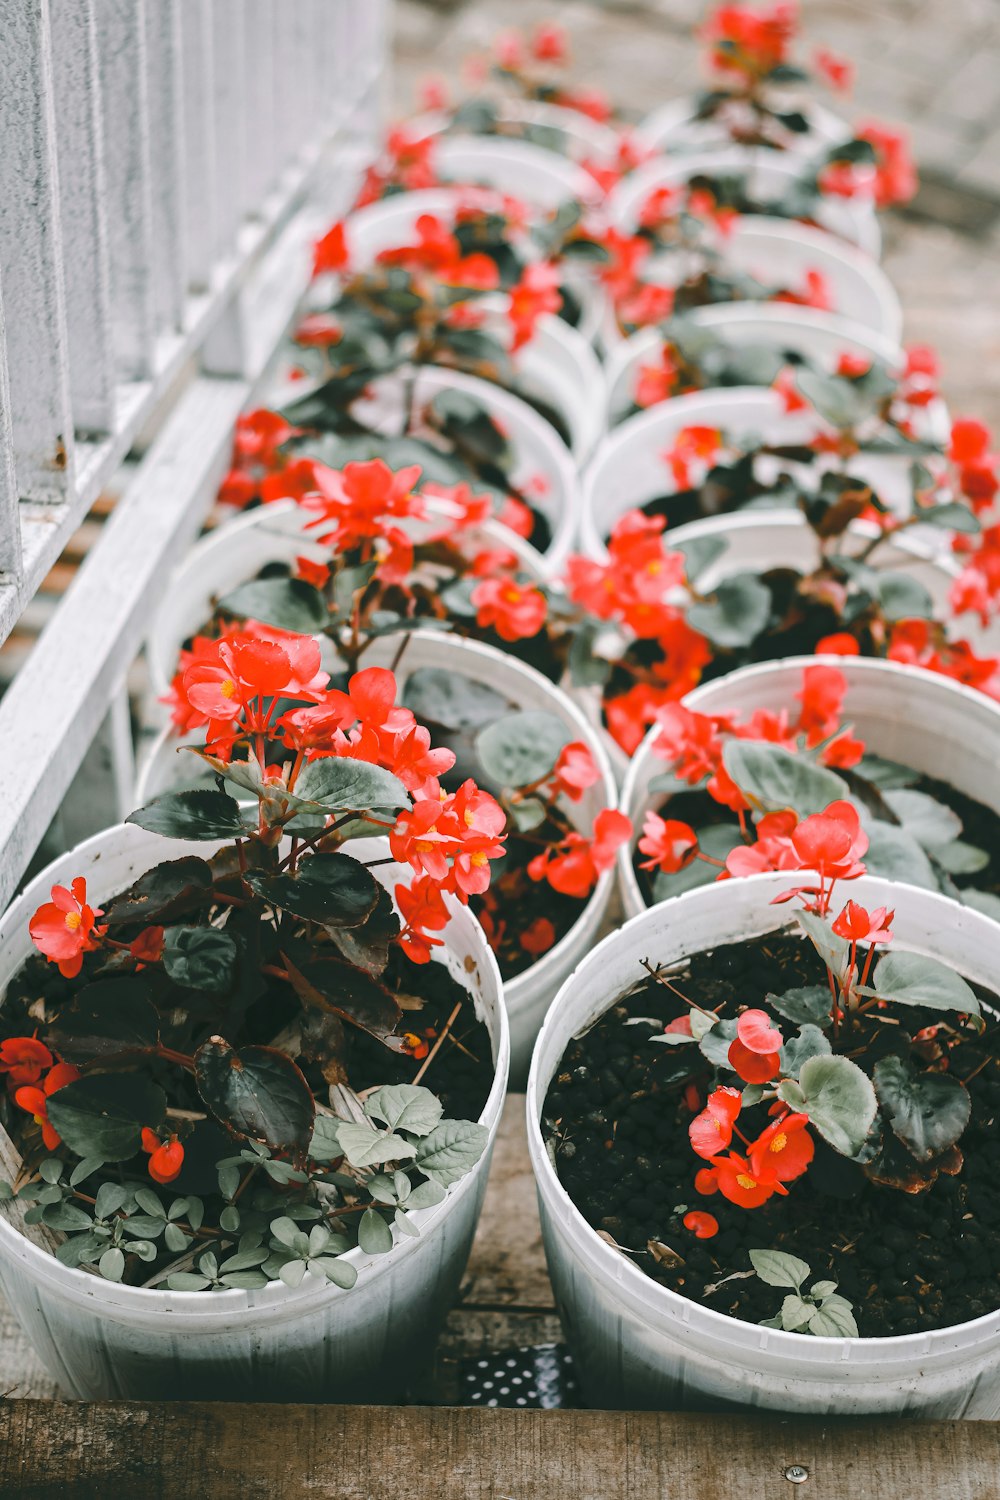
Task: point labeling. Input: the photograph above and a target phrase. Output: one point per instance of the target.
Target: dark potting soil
(616, 1117)
(980, 827)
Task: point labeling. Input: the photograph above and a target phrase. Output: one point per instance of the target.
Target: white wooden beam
(201, 207)
(11, 565)
(121, 35)
(167, 162)
(31, 256)
(82, 205)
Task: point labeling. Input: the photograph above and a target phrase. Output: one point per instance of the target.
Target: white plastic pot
(819, 337)
(780, 253)
(676, 126)
(527, 995)
(769, 177)
(628, 468)
(580, 138)
(392, 222)
(104, 1341)
(917, 718)
(533, 175)
(636, 1343)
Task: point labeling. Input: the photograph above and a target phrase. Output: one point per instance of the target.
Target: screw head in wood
(796, 1473)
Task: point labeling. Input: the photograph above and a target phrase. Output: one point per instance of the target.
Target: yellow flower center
(512, 596)
(73, 920)
(779, 1143)
(228, 688)
(478, 859)
(423, 846)
(746, 1183)
(469, 818)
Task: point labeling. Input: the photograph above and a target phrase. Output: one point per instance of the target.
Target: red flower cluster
(574, 866)
(166, 1158)
(260, 468)
(750, 43)
(779, 1154)
(65, 928)
(25, 1060)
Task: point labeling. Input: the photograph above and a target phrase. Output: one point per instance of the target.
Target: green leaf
(374, 1234)
(778, 1268)
(715, 1044)
(106, 1017)
(188, 1281)
(451, 1149)
(913, 979)
(927, 1111)
(833, 950)
(199, 958)
(738, 612)
(521, 748)
(341, 784)
(903, 598)
(834, 1320)
(112, 1265)
(700, 553)
(425, 1195)
(837, 400)
(405, 1106)
(894, 854)
(772, 778)
(808, 1042)
(953, 516)
(806, 1005)
(367, 1147)
(884, 774)
(110, 1198)
(338, 1271)
(795, 1313)
(451, 699)
(959, 858)
(162, 894)
(839, 1100)
(332, 889)
(324, 1144)
(102, 1114)
(928, 821)
(289, 603)
(198, 814)
(257, 1093)
(468, 423)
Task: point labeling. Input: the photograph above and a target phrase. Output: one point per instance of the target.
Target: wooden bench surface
(180, 1451)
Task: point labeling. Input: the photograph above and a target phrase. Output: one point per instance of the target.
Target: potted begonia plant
(757, 97)
(910, 751)
(515, 731)
(762, 1138)
(215, 1062)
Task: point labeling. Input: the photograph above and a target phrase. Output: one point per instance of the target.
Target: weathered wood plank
(507, 1266)
(186, 1451)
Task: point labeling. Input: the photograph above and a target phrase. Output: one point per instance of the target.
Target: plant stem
(438, 1044)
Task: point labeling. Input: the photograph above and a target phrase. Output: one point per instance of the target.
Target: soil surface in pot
(617, 1119)
(980, 827)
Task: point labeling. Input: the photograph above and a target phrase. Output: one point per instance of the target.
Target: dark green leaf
(700, 553)
(342, 784)
(808, 1042)
(102, 1114)
(894, 854)
(806, 1006)
(451, 699)
(330, 985)
(199, 958)
(164, 893)
(451, 1149)
(927, 1111)
(106, 1017)
(903, 598)
(928, 821)
(191, 815)
(288, 603)
(332, 889)
(368, 946)
(256, 1092)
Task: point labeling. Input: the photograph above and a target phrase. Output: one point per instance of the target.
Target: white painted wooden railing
(164, 167)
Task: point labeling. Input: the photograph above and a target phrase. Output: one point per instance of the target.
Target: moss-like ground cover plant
(250, 1030)
(810, 1090)
(722, 771)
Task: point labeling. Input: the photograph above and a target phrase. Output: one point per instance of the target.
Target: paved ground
(932, 66)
